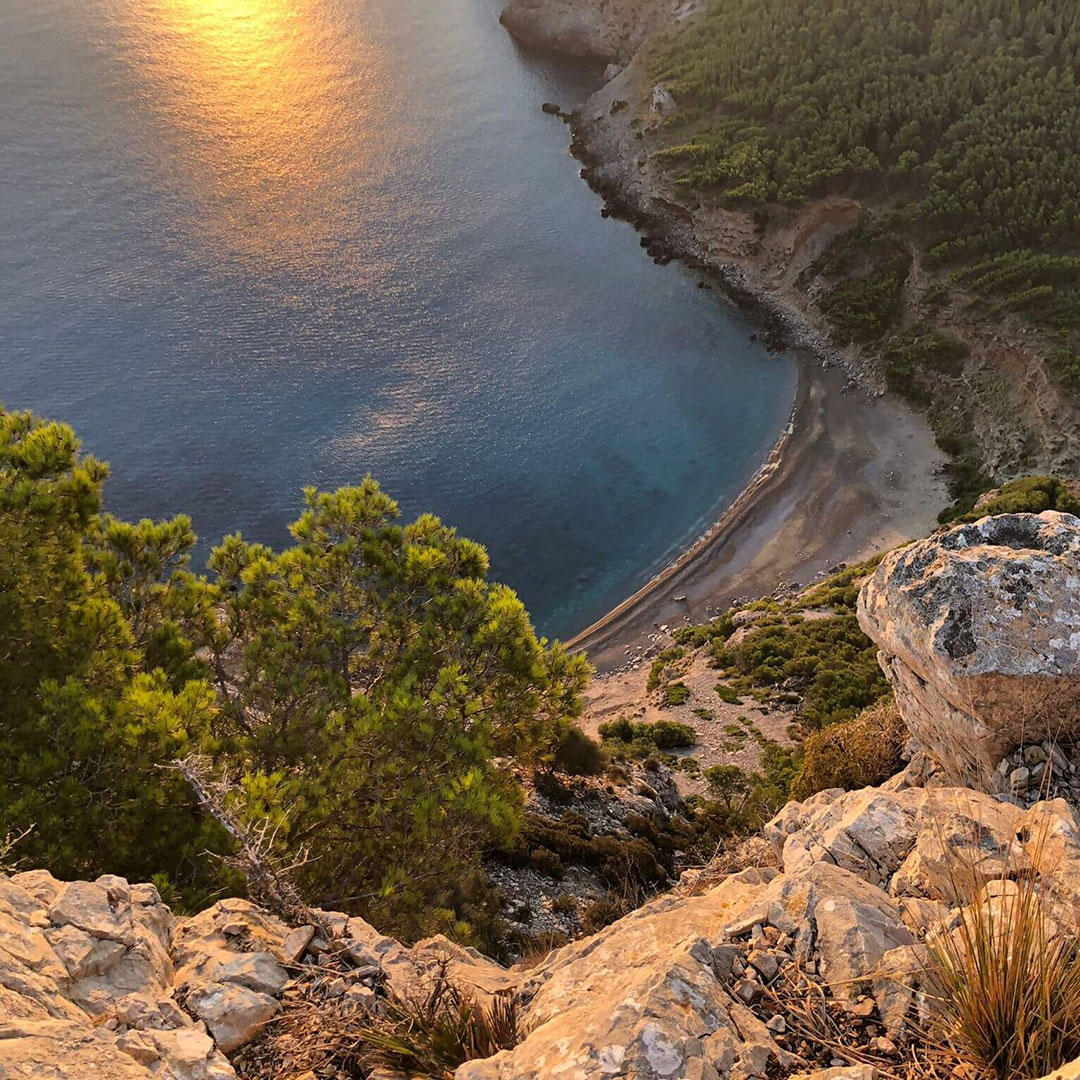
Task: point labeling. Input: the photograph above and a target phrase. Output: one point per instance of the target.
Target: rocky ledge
(729, 976)
(99, 979)
(600, 30)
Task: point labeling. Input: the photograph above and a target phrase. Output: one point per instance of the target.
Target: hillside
(904, 176)
(874, 934)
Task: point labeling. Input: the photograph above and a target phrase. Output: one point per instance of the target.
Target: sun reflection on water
(264, 113)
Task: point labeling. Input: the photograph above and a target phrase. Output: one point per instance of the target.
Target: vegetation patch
(861, 752)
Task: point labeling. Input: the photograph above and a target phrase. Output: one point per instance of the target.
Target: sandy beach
(856, 475)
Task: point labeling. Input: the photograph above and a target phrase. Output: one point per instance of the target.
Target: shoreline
(850, 475)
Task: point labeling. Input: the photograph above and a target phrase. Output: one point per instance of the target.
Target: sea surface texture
(249, 245)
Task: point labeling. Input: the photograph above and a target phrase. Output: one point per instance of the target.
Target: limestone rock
(233, 1013)
(50, 1049)
(964, 839)
(640, 999)
(605, 30)
(869, 832)
(979, 634)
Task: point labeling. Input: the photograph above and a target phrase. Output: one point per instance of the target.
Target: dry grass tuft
(1006, 979)
(433, 1033)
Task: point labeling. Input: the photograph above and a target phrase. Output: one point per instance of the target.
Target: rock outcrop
(601, 30)
(99, 979)
(979, 634)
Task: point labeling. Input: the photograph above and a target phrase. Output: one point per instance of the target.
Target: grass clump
(434, 1032)
(1007, 982)
(856, 753)
(726, 694)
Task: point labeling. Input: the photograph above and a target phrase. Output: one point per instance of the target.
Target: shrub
(726, 694)
(676, 693)
(547, 862)
(1028, 495)
(662, 660)
(671, 735)
(855, 753)
(600, 913)
(564, 905)
(579, 755)
(640, 740)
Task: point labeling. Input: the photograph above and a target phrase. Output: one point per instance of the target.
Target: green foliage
(1028, 495)
(974, 106)
(662, 660)
(856, 753)
(913, 353)
(869, 267)
(727, 695)
(829, 661)
(380, 676)
(359, 687)
(577, 754)
(99, 689)
(675, 693)
(693, 637)
(629, 739)
(839, 591)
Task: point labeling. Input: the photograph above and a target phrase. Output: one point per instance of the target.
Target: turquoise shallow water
(254, 244)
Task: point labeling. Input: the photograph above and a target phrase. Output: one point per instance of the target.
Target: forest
(955, 122)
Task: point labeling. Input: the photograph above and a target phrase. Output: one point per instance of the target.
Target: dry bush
(860, 752)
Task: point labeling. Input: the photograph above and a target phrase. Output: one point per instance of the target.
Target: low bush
(830, 662)
(600, 913)
(578, 755)
(547, 862)
(1028, 495)
(662, 660)
(627, 739)
(676, 693)
(855, 753)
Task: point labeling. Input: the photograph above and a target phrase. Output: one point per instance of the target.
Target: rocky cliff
(815, 965)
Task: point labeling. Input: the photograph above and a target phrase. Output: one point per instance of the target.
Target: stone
(233, 1013)
(40, 884)
(62, 1048)
(964, 839)
(640, 998)
(296, 943)
(81, 954)
(257, 971)
(101, 910)
(869, 832)
(662, 102)
(980, 637)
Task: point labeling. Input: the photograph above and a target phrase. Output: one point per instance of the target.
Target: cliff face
(710, 981)
(609, 31)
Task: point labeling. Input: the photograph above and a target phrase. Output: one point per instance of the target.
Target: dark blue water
(247, 245)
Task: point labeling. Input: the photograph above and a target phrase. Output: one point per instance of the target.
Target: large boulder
(979, 633)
